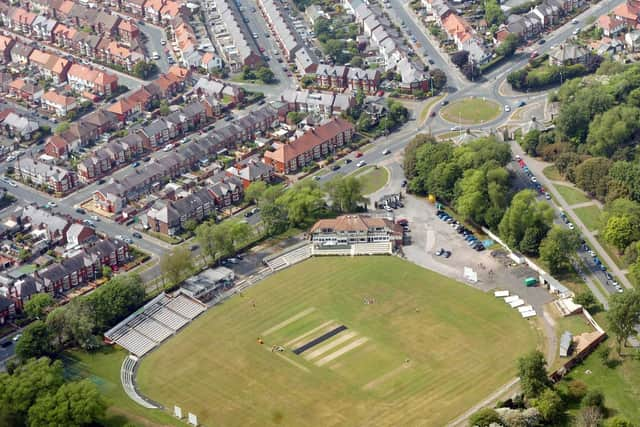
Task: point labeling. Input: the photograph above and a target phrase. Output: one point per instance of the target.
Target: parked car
(81, 211)
(387, 151)
(136, 235)
(358, 154)
(361, 163)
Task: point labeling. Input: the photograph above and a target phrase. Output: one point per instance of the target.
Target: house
(80, 134)
(42, 28)
(50, 65)
(96, 165)
(7, 309)
(20, 53)
(352, 229)
(226, 190)
(56, 147)
(20, 291)
(304, 61)
(51, 226)
(79, 235)
(60, 104)
(632, 40)
(6, 44)
(83, 267)
(611, 25)
(25, 90)
(103, 120)
(312, 145)
(628, 12)
(364, 80)
(52, 177)
(21, 21)
(83, 78)
(134, 7)
(568, 53)
(169, 217)
(411, 78)
(17, 126)
(128, 31)
(331, 77)
(250, 170)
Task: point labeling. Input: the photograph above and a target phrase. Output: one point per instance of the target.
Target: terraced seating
(170, 319)
(185, 307)
(136, 343)
(154, 330)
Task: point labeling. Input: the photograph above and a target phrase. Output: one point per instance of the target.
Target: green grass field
(426, 349)
(372, 178)
(471, 111)
(620, 383)
(571, 195)
(590, 216)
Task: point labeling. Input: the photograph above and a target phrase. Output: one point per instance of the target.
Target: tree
(533, 374)
(20, 389)
(484, 418)
(76, 403)
(588, 301)
(530, 141)
(460, 58)
(190, 225)
(107, 272)
(346, 193)
(114, 300)
(37, 305)
(164, 108)
(24, 255)
(623, 315)
(509, 45)
(493, 13)
(302, 203)
(356, 61)
(265, 74)
(525, 222)
(143, 69)
(612, 129)
(56, 322)
(307, 80)
(621, 231)
(593, 398)
(274, 218)
(438, 79)
(177, 265)
(35, 341)
(591, 176)
(550, 405)
(410, 152)
(80, 321)
(62, 128)
(255, 190)
(589, 416)
(295, 117)
(470, 70)
(557, 249)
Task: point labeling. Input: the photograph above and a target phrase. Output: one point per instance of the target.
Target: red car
(358, 154)
(261, 49)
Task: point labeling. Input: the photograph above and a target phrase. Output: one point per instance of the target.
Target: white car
(168, 147)
(163, 42)
(118, 237)
(387, 151)
(534, 179)
(11, 183)
(576, 31)
(575, 21)
(17, 337)
(11, 158)
(95, 218)
(52, 204)
(571, 226)
(155, 55)
(361, 163)
(507, 108)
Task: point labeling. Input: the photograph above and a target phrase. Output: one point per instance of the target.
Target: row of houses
(114, 196)
(289, 41)
(394, 54)
(545, 15)
(321, 103)
(316, 143)
(17, 126)
(83, 31)
(341, 77)
(53, 178)
(235, 44)
(189, 51)
(458, 30)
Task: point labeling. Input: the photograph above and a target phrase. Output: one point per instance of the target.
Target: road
(154, 36)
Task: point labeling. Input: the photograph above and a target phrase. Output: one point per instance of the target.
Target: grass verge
(552, 173)
(571, 195)
(590, 216)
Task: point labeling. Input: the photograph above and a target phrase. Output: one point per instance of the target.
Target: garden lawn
(471, 111)
(590, 216)
(420, 349)
(571, 195)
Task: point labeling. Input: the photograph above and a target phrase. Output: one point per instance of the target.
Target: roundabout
(471, 111)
